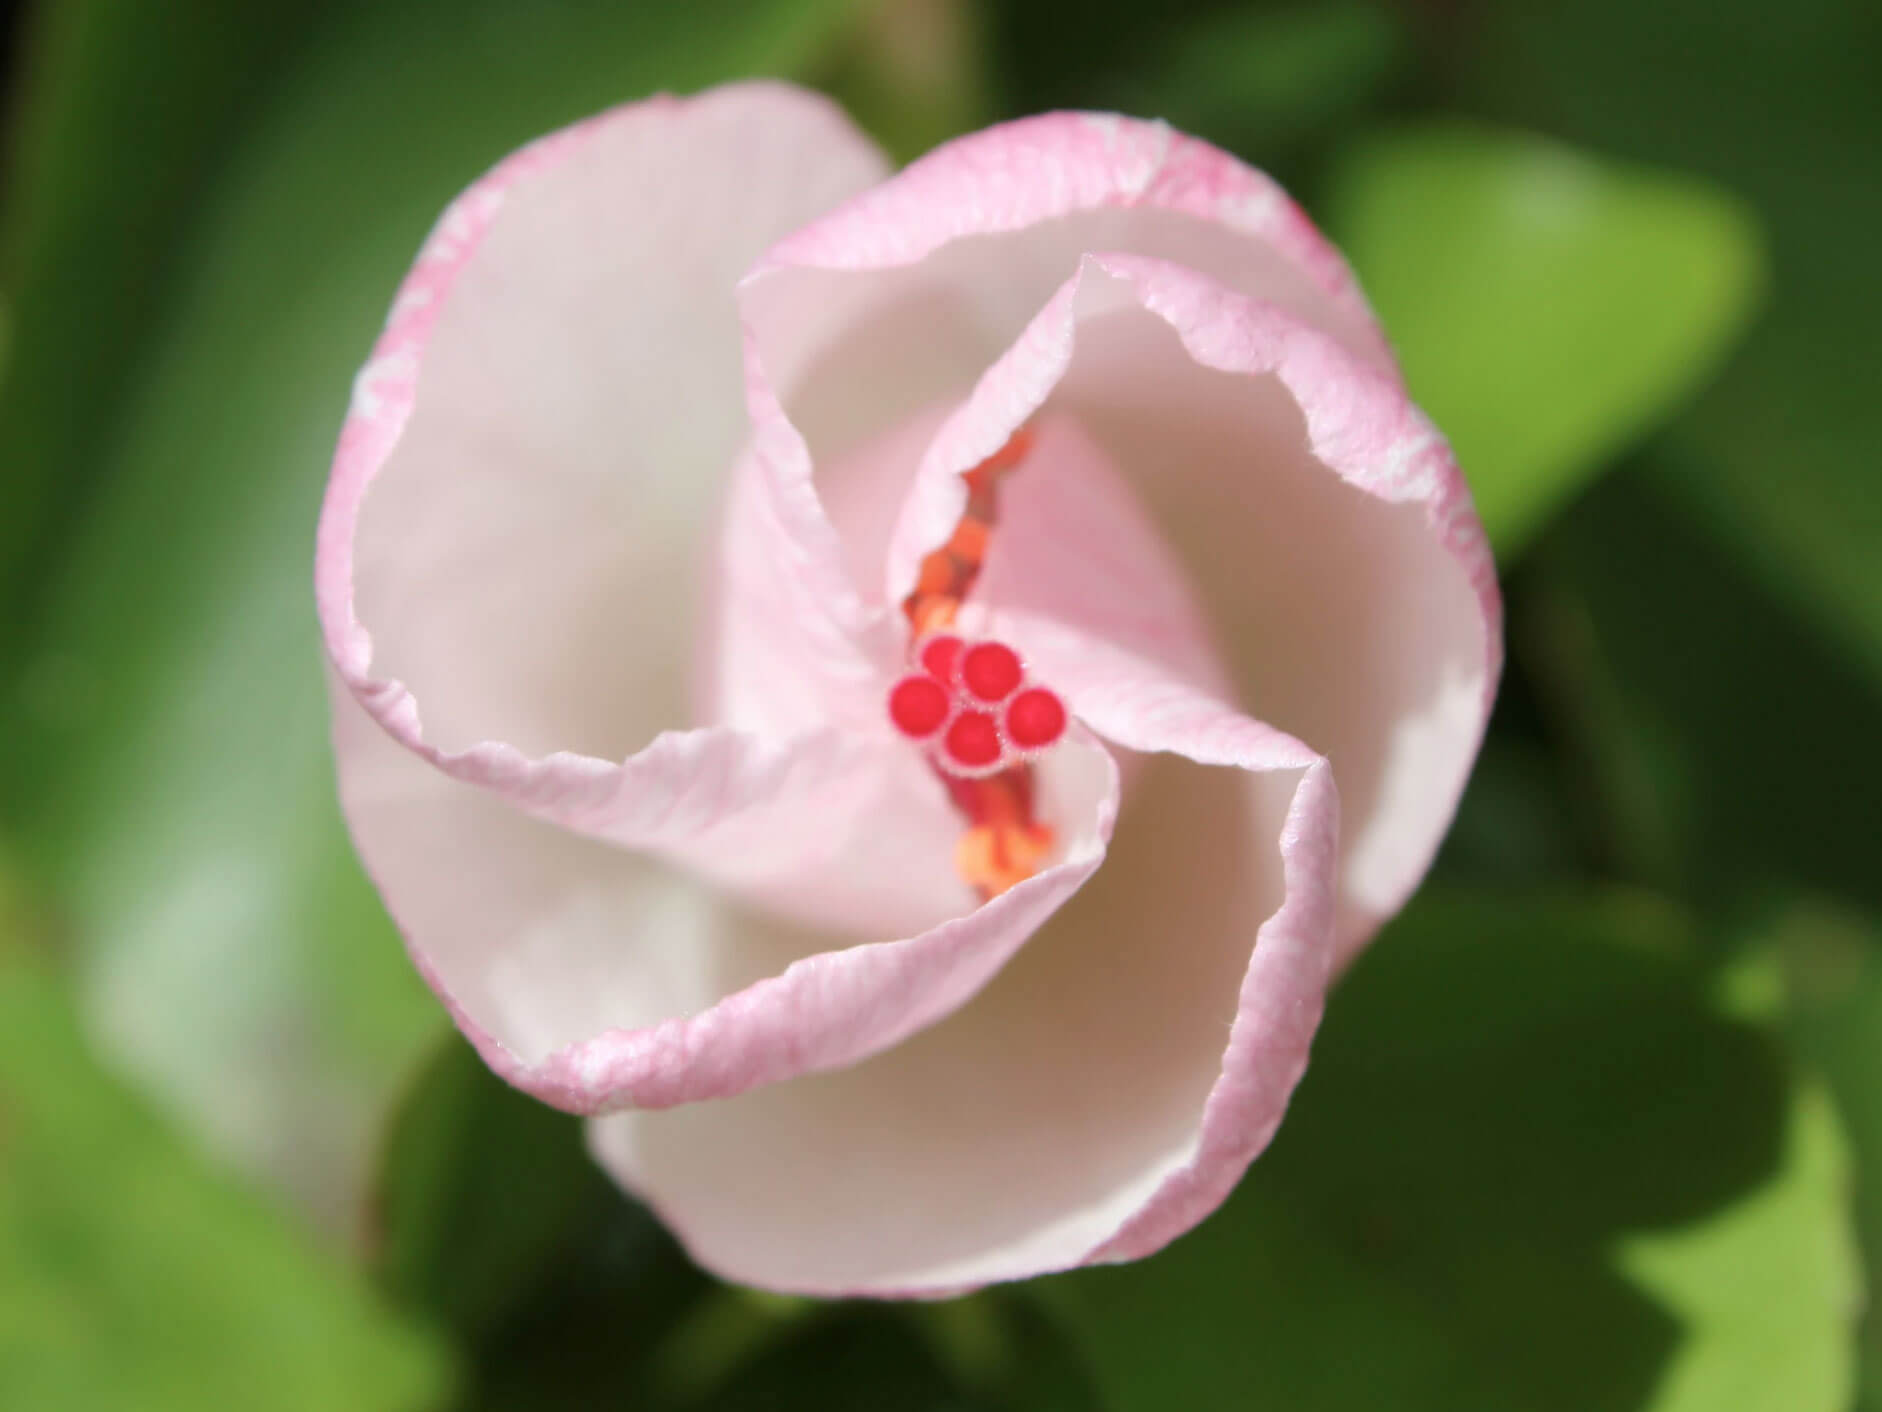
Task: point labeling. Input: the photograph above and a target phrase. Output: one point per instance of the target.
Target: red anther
(1035, 718)
(991, 670)
(938, 655)
(919, 706)
(973, 740)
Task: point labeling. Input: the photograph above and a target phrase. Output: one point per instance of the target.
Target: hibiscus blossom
(895, 694)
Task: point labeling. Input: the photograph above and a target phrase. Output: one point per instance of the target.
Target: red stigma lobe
(1035, 718)
(938, 656)
(990, 671)
(972, 742)
(919, 706)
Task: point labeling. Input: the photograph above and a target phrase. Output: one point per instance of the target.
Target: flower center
(969, 705)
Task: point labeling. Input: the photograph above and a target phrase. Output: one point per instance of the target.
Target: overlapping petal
(1084, 1106)
(1115, 1079)
(1234, 375)
(521, 507)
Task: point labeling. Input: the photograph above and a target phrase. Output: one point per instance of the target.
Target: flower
(693, 438)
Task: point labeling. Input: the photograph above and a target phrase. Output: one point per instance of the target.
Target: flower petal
(525, 488)
(595, 976)
(1083, 1106)
(1361, 613)
(1322, 519)
(1332, 536)
(1063, 184)
(522, 489)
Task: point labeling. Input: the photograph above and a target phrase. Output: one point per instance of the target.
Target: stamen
(1003, 844)
(947, 575)
(981, 754)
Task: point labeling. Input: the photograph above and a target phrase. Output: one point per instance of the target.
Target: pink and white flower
(692, 430)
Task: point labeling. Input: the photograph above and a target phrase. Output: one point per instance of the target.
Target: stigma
(970, 704)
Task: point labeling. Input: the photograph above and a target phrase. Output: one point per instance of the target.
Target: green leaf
(131, 1275)
(1833, 968)
(1526, 1128)
(1780, 1341)
(480, 1189)
(1781, 453)
(1548, 307)
(172, 743)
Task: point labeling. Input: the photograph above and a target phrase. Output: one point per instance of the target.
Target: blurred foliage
(478, 1188)
(1779, 102)
(91, 218)
(1467, 239)
(132, 1275)
(1726, 750)
(1598, 1128)
(227, 948)
(1832, 960)
(1479, 1184)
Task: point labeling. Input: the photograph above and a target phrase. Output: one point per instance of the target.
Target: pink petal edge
(1021, 173)
(821, 1012)
(1361, 424)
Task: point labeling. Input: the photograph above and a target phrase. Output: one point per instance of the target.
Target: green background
(1595, 1127)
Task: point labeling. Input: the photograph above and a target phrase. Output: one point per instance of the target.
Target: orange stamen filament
(1005, 842)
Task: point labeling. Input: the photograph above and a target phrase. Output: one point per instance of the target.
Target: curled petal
(1111, 1084)
(519, 512)
(522, 498)
(1329, 536)
(1226, 362)
(1083, 1106)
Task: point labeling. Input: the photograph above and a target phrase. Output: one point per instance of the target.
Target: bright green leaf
(173, 750)
(1833, 965)
(593, 1326)
(1548, 307)
(1778, 1342)
(1511, 1100)
(133, 1276)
